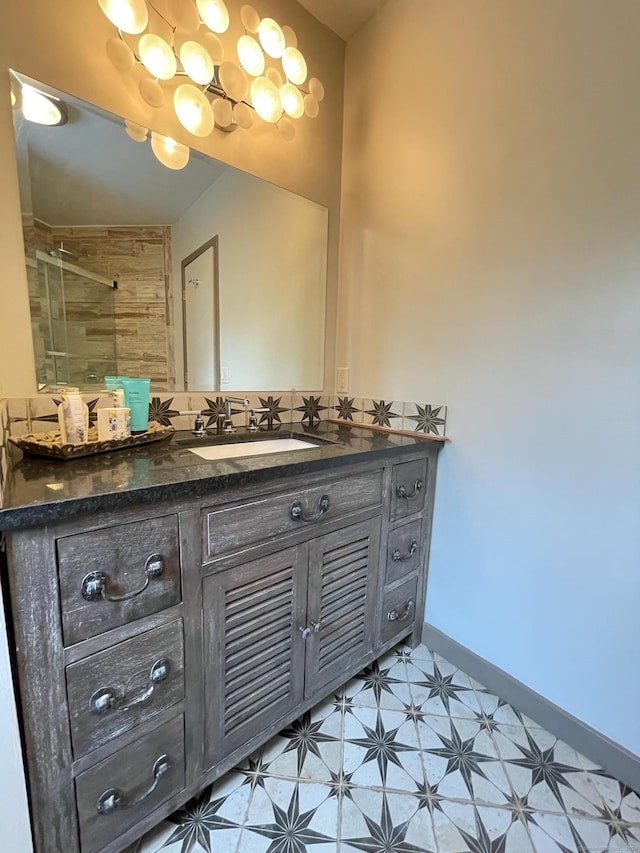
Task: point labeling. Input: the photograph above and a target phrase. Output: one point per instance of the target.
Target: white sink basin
(251, 448)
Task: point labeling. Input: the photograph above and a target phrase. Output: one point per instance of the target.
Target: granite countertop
(37, 490)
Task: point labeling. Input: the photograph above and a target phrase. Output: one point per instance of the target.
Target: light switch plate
(342, 380)
(224, 375)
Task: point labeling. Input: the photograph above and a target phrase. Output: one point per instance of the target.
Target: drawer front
(235, 528)
(115, 690)
(404, 550)
(120, 791)
(408, 488)
(399, 609)
(118, 574)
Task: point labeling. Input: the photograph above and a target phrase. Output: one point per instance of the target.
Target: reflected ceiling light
(157, 57)
(120, 54)
(316, 89)
(234, 81)
(265, 98)
(214, 47)
(170, 153)
(290, 37)
(243, 115)
(311, 108)
(42, 109)
(151, 92)
(250, 55)
(135, 131)
(214, 15)
(275, 76)
(196, 62)
(193, 110)
(130, 16)
(223, 112)
(250, 19)
(271, 38)
(295, 66)
(292, 100)
(184, 16)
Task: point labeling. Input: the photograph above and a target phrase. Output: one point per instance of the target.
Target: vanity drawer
(234, 528)
(399, 609)
(408, 488)
(120, 791)
(117, 689)
(404, 550)
(117, 574)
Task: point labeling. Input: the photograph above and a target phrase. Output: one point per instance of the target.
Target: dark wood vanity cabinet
(158, 646)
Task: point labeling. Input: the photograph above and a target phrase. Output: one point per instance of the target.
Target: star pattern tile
(408, 776)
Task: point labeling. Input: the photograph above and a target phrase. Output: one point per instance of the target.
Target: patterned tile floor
(411, 755)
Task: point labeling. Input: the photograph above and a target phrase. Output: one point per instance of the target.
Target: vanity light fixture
(42, 108)
(212, 81)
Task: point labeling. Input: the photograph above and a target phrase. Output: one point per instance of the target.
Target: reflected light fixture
(41, 108)
(183, 41)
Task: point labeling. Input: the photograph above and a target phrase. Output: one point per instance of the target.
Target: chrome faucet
(228, 423)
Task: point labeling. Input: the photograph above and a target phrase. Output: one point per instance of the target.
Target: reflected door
(201, 319)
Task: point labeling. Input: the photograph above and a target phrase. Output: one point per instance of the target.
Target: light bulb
(243, 115)
(196, 62)
(311, 107)
(214, 14)
(130, 16)
(157, 57)
(151, 92)
(290, 38)
(42, 109)
(135, 131)
(233, 80)
(275, 76)
(250, 19)
(316, 88)
(294, 65)
(223, 112)
(271, 38)
(250, 55)
(120, 54)
(193, 110)
(292, 101)
(170, 153)
(265, 97)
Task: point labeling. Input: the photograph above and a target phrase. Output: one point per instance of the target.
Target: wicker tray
(49, 444)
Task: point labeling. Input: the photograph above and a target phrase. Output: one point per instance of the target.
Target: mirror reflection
(202, 278)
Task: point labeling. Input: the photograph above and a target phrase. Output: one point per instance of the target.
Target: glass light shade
(214, 47)
(172, 154)
(265, 97)
(130, 16)
(292, 101)
(250, 19)
(42, 109)
(316, 88)
(250, 55)
(151, 92)
(275, 76)
(196, 62)
(287, 129)
(311, 108)
(135, 131)
(120, 54)
(271, 38)
(214, 14)
(222, 112)
(233, 80)
(193, 110)
(290, 37)
(295, 66)
(184, 16)
(243, 115)
(157, 57)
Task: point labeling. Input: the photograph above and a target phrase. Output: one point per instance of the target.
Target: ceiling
(344, 17)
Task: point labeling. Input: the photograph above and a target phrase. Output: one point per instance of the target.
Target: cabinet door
(254, 650)
(343, 572)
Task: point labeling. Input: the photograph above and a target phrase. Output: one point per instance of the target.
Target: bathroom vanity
(171, 614)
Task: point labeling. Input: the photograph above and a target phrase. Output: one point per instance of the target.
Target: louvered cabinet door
(343, 572)
(254, 650)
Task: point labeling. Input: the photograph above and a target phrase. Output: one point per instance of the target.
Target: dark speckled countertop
(37, 490)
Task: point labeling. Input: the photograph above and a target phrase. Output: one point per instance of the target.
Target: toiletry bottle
(136, 395)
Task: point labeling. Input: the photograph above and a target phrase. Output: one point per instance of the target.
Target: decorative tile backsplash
(40, 414)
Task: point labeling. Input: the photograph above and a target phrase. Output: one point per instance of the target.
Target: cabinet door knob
(297, 513)
(394, 616)
(316, 627)
(401, 490)
(94, 584)
(305, 632)
(112, 799)
(397, 557)
(106, 699)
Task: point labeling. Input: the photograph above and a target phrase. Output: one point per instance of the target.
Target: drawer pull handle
(401, 490)
(394, 616)
(94, 584)
(112, 799)
(397, 557)
(297, 513)
(106, 699)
